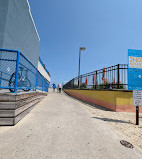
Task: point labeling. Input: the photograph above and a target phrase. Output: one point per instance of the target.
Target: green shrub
(83, 86)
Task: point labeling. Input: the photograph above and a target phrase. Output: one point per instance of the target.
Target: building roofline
(43, 65)
(32, 19)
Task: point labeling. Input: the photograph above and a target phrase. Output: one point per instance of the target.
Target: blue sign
(135, 69)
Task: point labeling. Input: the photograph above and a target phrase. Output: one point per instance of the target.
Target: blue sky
(107, 28)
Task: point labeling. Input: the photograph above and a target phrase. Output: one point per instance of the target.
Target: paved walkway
(62, 128)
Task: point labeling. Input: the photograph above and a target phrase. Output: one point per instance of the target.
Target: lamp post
(81, 48)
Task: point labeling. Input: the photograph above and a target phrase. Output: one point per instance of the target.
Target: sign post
(137, 115)
(135, 78)
(137, 101)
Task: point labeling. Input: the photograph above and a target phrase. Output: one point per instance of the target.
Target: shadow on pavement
(112, 120)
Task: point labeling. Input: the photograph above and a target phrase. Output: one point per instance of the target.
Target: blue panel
(135, 69)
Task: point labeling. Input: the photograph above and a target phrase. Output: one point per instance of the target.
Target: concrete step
(12, 97)
(17, 104)
(13, 107)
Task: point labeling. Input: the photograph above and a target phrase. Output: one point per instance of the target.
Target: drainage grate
(126, 144)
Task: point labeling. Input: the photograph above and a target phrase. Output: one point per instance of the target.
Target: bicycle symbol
(23, 80)
(137, 102)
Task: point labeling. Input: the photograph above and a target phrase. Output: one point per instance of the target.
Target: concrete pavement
(62, 128)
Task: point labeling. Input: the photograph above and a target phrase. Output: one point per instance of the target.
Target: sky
(107, 28)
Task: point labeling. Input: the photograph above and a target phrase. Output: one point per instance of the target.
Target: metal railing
(114, 77)
(18, 73)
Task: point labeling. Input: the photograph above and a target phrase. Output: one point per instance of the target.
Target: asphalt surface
(62, 128)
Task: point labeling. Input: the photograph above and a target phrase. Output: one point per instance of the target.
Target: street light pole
(81, 48)
(79, 65)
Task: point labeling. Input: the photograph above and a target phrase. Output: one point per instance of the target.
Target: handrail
(16, 79)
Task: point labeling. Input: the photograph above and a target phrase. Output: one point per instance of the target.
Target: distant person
(54, 86)
(59, 87)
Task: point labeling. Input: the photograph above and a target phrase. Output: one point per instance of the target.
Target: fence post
(78, 82)
(42, 84)
(96, 81)
(16, 73)
(0, 78)
(81, 81)
(118, 76)
(36, 79)
(47, 87)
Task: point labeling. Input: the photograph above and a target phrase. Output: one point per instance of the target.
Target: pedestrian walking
(59, 87)
(54, 86)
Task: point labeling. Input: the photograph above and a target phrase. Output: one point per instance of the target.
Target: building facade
(18, 30)
(42, 69)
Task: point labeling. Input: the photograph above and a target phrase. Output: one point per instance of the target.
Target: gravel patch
(122, 122)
